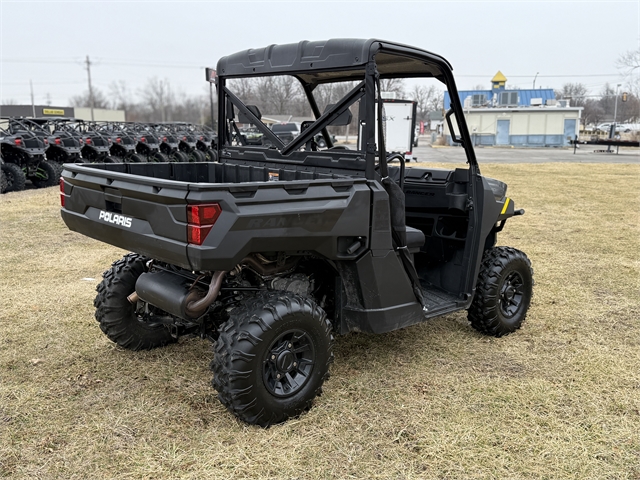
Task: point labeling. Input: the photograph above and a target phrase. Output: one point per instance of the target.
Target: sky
(47, 42)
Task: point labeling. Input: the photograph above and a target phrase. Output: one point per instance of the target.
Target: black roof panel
(332, 60)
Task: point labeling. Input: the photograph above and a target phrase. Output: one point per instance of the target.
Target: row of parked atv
(36, 148)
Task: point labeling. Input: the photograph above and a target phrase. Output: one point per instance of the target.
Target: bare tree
(120, 96)
(393, 85)
(576, 92)
(428, 99)
(629, 64)
(158, 99)
(99, 99)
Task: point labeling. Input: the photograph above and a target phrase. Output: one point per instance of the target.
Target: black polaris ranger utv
(276, 249)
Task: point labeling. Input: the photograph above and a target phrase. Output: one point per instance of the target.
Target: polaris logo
(115, 218)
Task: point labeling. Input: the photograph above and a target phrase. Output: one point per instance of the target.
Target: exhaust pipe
(175, 294)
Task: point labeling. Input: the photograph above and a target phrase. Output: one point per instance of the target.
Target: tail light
(200, 220)
(80, 141)
(110, 139)
(143, 139)
(62, 192)
(184, 138)
(164, 139)
(88, 141)
(118, 140)
(18, 142)
(58, 141)
(201, 138)
(46, 142)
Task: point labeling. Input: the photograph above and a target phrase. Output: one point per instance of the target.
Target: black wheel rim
(511, 294)
(289, 363)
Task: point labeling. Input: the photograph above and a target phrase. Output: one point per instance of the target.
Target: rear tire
(503, 292)
(135, 158)
(110, 159)
(180, 157)
(3, 181)
(198, 156)
(211, 155)
(117, 316)
(47, 175)
(16, 179)
(272, 357)
(160, 157)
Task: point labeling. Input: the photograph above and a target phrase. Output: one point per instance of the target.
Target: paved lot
(585, 154)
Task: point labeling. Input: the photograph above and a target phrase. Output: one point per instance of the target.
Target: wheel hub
(288, 363)
(285, 362)
(511, 294)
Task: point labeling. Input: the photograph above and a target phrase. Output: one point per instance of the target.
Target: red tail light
(110, 140)
(62, 192)
(58, 141)
(118, 140)
(18, 141)
(201, 219)
(46, 142)
(80, 141)
(201, 138)
(88, 141)
(143, 139)
(164, 139)
(184, 138)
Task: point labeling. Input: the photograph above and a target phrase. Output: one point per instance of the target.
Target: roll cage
(317, 63)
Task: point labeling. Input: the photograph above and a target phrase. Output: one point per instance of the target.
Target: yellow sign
(52, 111)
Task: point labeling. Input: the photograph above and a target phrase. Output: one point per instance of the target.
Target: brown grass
(558, 399)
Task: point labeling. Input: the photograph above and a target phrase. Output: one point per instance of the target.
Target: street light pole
(615, 110)
(534, 80)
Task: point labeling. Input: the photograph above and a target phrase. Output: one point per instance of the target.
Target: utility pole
(33, 105)
(534, 80)
(213, 125)
(88, 63)
(615, 108)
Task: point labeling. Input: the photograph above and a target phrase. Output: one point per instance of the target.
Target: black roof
(333, 60)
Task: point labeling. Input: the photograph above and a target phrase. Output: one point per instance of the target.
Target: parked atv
(274, 251)
(64, 143)
(169, 142)
(22, 151)
(206, 142)
(148, 145)
(97, 145)
(122, 142)
(187, 141)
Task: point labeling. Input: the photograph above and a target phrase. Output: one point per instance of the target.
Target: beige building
(99, 114)
(547, 126)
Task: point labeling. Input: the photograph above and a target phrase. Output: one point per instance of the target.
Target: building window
(508, 99)
(479, 100)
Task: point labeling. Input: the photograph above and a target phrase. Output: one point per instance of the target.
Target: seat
(415, 239)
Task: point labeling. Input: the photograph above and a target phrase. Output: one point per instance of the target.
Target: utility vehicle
(23, 150)
(273, 251)
(169, 142)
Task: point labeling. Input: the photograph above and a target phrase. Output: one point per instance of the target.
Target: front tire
(117, 316)
(503, 292)
(272, 357)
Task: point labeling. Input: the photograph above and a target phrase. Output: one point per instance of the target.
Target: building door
(502, 136)
(569, 130)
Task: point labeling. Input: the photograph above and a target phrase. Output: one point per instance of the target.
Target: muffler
(174, 294)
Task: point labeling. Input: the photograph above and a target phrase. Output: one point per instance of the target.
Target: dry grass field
(558, 399)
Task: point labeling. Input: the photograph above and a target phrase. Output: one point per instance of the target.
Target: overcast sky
(47, 42)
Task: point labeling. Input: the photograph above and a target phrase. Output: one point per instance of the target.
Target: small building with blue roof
(503, 116)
